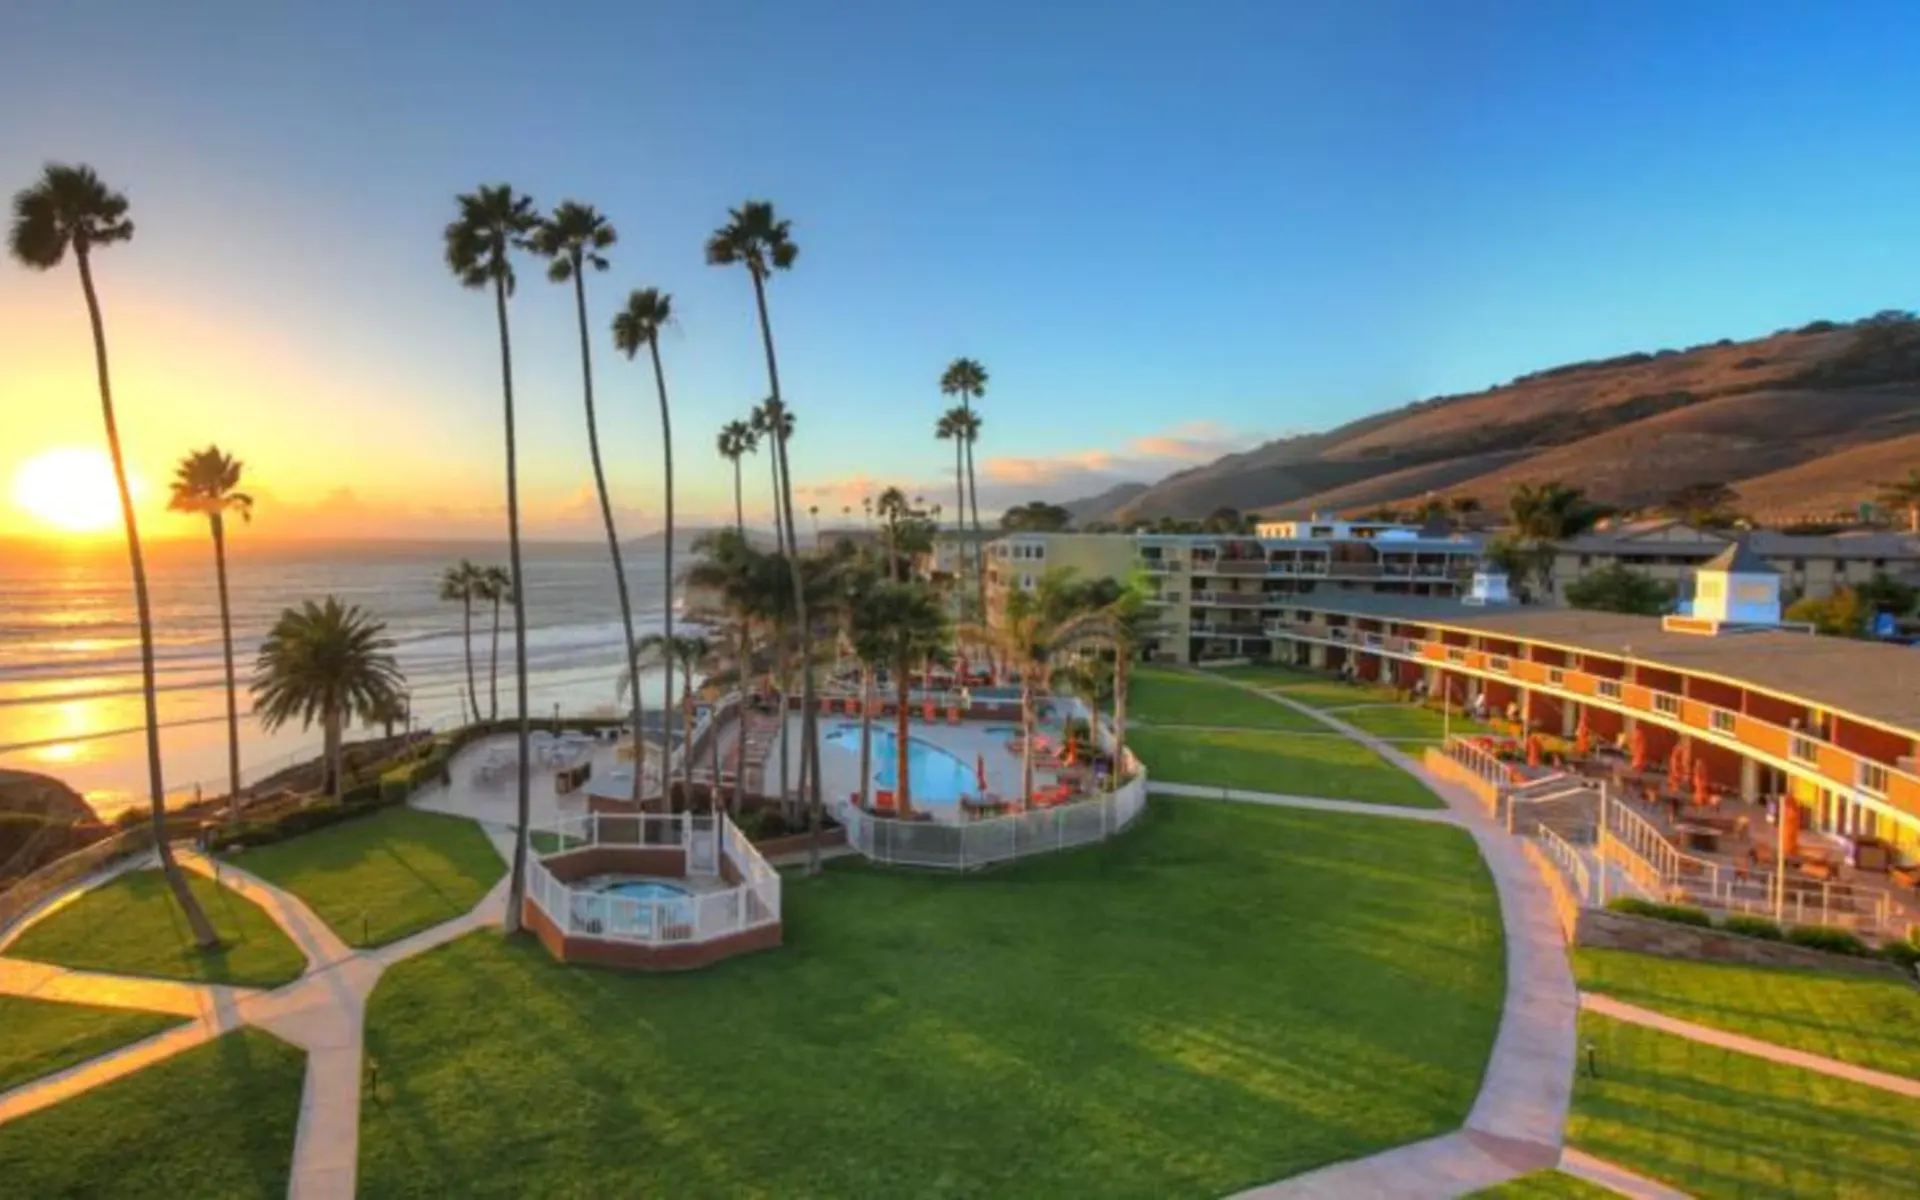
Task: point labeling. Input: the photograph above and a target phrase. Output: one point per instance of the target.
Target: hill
(1630, 430)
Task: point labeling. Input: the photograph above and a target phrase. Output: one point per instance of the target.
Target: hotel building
(1670, 551)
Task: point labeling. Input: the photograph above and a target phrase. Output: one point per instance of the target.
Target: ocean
(70, 703)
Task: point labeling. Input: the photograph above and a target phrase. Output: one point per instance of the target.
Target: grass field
(1407, 721)
(1544, 1185)
(217, 1120)
(383, 877)
(1717, 1123)
(1160, 697)
(43, 1037)
(1226, 995)
(130, 926)
(1329, 767)
(1860, 1019)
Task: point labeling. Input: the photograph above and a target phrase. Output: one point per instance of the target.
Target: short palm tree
(330, 663)
(648, 311)
(573, 240)
(494, 584)
(1024, 638)
(756, 238)
(736, 441)
(208, 482)
(904, 626)
(967, 379)
(692, 654)
(1904, 494)
(493, 222)
(767, 428)
(461, 584)
(1119, 628)
(894, 512)
(730, 567)
(69, 208)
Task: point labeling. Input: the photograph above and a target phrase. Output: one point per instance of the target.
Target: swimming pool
(632, 906)
(938, 776)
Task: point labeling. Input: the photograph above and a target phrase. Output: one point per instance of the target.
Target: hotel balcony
(1230, 628)
(1232, 599)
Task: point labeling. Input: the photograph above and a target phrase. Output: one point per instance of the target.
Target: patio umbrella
(1639, 741)
(1702, 785)
(1583, 739)
(980, 771)
(1533, 750)
(1677, 768)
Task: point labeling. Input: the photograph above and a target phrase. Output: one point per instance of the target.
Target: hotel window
(1556, 678)
(1663, 703)
(1586, 560)
(1499, 663)
(1873, 778)
(1608, 689)
(1802, 749)
(1456, 655)
(1719, 720)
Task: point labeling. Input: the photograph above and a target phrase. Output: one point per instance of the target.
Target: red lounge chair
(883, 801)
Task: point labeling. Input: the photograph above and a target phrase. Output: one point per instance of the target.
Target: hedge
(1679, 914)
(363, 796)
(1904, 954)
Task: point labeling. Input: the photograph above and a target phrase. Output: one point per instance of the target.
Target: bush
(1753, 927)
(1679, 914)
(1834, 941)
(1905, 955)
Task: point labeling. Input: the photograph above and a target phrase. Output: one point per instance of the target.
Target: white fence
(996, 839)
(585, 912)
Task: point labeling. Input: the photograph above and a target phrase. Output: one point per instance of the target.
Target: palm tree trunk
(960, 515)
(979, 548)
(1026, 740)
(466, 609)
(713, 752)
(902, 740)
(686, 736)
(666, 443)
(523, 812)
(740, 717)
(739, 512)
(203, 935)
(226, 650)
(1120, 674)
(809, 725)
(779, 528)
(493, 671)
(613, 541)
(333, 740)
(866, 738)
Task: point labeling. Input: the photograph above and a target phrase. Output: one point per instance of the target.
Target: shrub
(1753, 927)
(1678, 914)
(1905, 955)
(1834, 941)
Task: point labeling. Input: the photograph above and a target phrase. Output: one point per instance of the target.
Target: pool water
(938, 776)
(651, 897)
(647, 889)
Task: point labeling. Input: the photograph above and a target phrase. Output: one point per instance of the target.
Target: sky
(1169, 231)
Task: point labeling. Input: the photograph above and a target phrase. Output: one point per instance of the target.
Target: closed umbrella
(980, 771)
(1702, 785)
(1533, 750)
(1639, 741)
(1677, 768)
(1583, 739)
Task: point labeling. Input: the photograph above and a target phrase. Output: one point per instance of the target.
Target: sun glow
(70, 489)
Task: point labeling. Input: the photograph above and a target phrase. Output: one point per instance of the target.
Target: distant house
(1672, 550)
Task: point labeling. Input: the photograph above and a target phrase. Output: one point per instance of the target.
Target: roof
(1875, 681)
(1764, 542)
(1739, 559)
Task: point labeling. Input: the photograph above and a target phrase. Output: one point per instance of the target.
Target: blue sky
(1168, 230)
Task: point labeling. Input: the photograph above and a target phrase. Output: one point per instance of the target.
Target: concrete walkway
(1607, 1006)
(1582, 1165)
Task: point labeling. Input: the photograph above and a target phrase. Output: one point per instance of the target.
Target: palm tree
(1464, 506)
(892, 507)
(386, 712)
(773, 432)
(492, 223)
(967, 379)
(1024, 638)
(754, 237)
(461, 584)
(1120, 627)
(736, 441)
(71, 208)
(1904, 493)
(493, 584)
(904, 626)
(572, 239)
(329, 663)
(813, 511)
(729, 566)
(207, 481)
(648, 311)
(693, 654)
(952, 427)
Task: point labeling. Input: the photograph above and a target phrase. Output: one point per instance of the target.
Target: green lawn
(216, 1121)
(1860, 1019)
(1717, 1123)
(383, 877)
(1226, 995)
(1160, 697)
(44, 1037)
(1408, 721)
(1333, 767)
(1263, 675)
(131, 926)
(1544, 1185)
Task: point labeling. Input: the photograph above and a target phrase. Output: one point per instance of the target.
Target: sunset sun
(70, 489)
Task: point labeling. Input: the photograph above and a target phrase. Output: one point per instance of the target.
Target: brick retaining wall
(679, 956)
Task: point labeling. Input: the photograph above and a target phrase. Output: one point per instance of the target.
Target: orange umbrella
(1533, 750)
(1702, 785)
(1789, 826)
(1638, 742)
(1677, 768)
(1583, 739)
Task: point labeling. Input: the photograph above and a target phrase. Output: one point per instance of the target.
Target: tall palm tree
(461, 584)
(692, 654)
(730, 567)
(493, 222)
(893, 510)
(736, 441)
(813, 511)
(951, 427)
(330, 663)
(208, 482)
(1904, 494)
(494, 584)
(754, 237)
(967, 379)
(573, 240)
(773, 431)
(904, 626)
(648, 311)
(69, 208)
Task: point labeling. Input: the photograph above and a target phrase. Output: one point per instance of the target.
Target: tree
(1904, 494)
(954, 426)
(1841, 614)
(71, 209)
(729, 566)
(1024, 639)
(207, 482)
(493, 222)
(770, 430)
(967, 379)
(1035, 516)
(1121, 625)
(1463, 506)
(1708, 505)
(1520, 560)
(330, 663)
(1550, 511)
(573, 240)
(460, 584)
(648, 311)
(904, 626)
(736, 441)
(1882, 594)
(692, 654)
(755, 238)
(1620, 589)
(894, 512)
(494, 584)
(1224, 519)
(386, 712)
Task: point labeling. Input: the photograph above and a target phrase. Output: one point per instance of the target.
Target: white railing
(1572, 863)
(1481, 761)
(708, 840)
